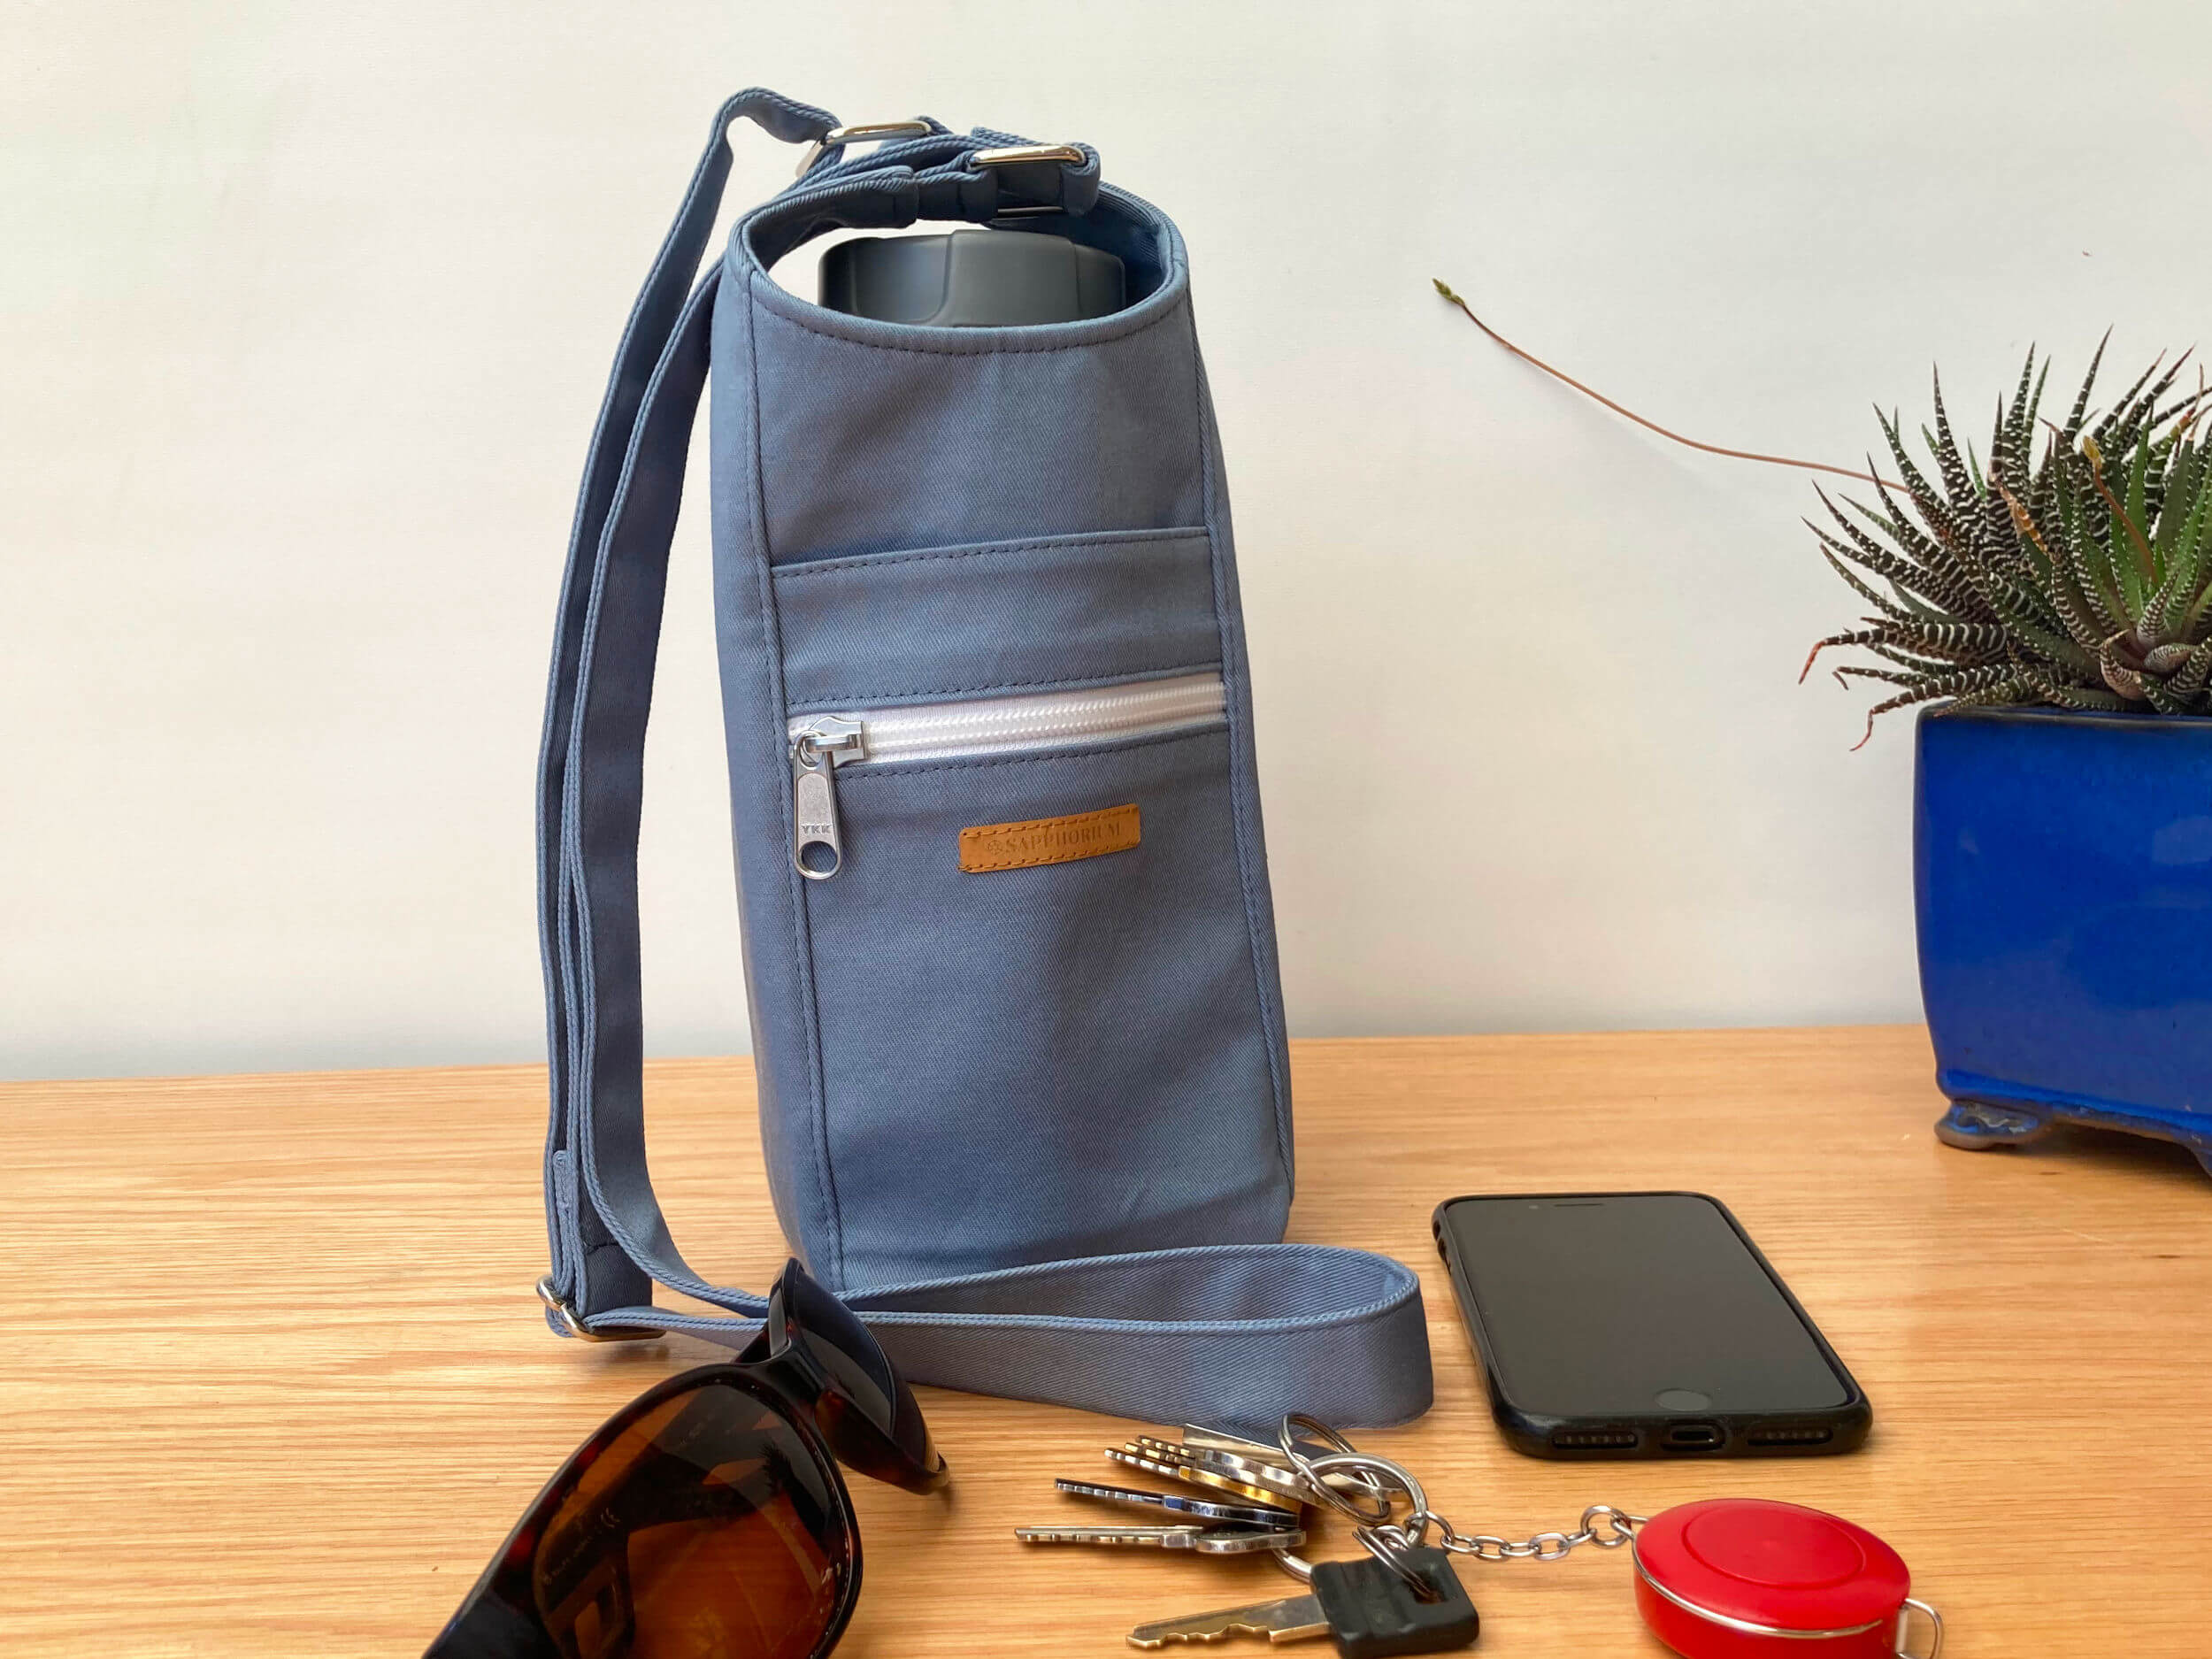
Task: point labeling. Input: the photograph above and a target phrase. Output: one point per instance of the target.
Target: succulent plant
(2082, 579)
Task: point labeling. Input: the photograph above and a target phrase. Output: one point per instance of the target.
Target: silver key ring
(1387, 1543)
(1388, 1546)
(1375, 1545)
(1310, 1468)
(1372, 1466)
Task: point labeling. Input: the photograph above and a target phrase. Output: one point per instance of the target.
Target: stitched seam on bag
(973, 351)
(911, 769)
(846, 564)
(570, 1252)
(1269, 1016)
(1088, 1325)
(1135, 206)
(801, 933)
(616, 1234)
(983, 349)
(825, 699)
(1391, 1299)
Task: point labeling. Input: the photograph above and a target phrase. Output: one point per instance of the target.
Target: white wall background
(305, 311)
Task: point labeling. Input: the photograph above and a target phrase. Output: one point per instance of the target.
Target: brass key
(1364, 1605)
(1293, 1619)
(1135, 1457)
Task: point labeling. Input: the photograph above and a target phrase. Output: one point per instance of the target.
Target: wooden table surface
(276, 1383)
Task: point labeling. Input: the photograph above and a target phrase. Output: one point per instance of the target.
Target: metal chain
(1602, 1524)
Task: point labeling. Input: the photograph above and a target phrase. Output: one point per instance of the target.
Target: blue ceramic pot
(2064, 868)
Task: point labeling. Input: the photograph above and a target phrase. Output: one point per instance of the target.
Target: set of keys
(1246, 1497)
(1722, 1578)
(1249, 1506)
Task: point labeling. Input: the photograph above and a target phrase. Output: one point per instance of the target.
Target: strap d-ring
(860, 132)
(571, 1326)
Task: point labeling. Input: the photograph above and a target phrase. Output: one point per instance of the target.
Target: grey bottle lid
(970, 279)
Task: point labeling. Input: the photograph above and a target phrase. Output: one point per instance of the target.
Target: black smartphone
(1640, 1325)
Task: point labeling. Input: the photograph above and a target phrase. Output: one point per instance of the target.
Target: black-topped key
(1366, 1608)
(1373, 1611)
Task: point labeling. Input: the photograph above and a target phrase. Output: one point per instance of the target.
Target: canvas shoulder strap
(1232, 1333)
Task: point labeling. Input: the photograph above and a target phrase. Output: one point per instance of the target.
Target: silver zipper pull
(817, 751)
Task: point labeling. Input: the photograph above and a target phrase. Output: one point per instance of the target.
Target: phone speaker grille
(1777, 1435)
(1594, 1439)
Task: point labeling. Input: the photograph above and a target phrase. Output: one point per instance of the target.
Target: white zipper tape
(981, 725)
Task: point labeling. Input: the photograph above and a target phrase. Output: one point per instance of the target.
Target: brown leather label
(1049, 841)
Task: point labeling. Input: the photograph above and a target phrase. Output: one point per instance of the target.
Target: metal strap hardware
(571, 1326)
(859, 133)
(1014, 155)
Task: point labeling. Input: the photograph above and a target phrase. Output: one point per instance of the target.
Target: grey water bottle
(971, 277)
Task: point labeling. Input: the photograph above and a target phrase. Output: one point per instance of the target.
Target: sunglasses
(707, 1518)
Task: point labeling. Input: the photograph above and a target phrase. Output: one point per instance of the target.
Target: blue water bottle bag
(1008, 951)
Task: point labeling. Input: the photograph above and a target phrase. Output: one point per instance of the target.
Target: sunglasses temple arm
(489, 1626)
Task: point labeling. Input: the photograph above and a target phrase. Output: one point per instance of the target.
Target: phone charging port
(1693, 1437)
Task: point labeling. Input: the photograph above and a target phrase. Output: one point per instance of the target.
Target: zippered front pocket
(982, 727)
(1055, 1046)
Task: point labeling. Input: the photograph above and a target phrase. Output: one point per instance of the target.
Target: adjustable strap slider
(1013, 155)
(1030, 179)
(860, 132)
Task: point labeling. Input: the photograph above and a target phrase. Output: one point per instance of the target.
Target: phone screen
(1627, 1305)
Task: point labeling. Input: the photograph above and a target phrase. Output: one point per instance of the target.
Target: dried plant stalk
(2080, 578)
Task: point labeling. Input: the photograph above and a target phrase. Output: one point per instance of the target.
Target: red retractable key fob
(1746, 1578)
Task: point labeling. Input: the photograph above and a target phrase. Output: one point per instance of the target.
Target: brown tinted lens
(704, 1529)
